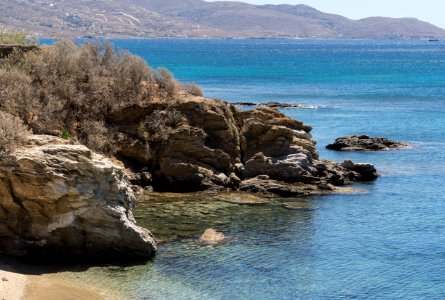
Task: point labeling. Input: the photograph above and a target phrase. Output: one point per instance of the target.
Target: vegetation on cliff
(164, 132)
(69, 88)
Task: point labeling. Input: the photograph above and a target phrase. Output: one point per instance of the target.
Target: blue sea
(387, 242)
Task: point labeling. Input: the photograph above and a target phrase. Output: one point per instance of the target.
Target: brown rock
(364, 143)
(215, 146)
(61, 200)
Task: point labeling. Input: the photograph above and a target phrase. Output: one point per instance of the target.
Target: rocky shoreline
(62, 199)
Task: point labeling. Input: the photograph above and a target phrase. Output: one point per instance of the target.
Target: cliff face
(62, 200)
(213, 145)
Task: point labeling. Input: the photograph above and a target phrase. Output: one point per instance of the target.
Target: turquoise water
(387, 243)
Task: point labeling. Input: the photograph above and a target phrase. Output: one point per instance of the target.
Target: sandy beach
(14, 285)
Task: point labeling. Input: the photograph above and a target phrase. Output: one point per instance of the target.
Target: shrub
(9, 37)
(12, 132)
(157, 126)
(192, 89)
(95, 135)
(61, 87)
(75, 88)
(166, 82)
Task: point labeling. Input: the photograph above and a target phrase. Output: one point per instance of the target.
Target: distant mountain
(197, 18)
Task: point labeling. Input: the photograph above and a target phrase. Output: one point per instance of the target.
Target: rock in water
(364, 143)
(61, 200)
(214, 146)
(211, 237)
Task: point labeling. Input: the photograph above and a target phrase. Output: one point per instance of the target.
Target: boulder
(364, 143)
(61, 200)
(363, 171)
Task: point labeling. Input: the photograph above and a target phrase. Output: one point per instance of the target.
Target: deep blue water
(387, 243)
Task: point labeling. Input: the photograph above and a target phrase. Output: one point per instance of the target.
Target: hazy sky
(427, 10)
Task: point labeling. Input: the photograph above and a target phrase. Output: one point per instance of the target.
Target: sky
(431, 11)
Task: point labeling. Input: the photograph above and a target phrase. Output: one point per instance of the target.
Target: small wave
(281, 105)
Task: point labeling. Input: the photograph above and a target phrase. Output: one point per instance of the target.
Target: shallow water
(384, 244)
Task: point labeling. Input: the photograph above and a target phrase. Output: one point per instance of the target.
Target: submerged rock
(364, 143)
(211, 237)
(61, 200)
(244, 199)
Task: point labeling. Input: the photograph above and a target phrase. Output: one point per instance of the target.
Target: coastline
(15, 284)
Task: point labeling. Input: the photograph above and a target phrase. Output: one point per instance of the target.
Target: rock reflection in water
(173, 217)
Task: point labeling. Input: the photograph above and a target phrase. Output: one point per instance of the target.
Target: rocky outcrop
(61, 200)
(199, 152)
(364, 143)
(276, 146)
(212, 145)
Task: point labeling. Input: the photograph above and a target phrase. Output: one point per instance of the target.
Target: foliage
(158, 125)
(65, 135)
(12, 132)
(192, 89)
(166, 82)
(74, 90)
(11, 37)
(67, 87)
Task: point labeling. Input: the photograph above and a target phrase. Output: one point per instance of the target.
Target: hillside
(197, 18)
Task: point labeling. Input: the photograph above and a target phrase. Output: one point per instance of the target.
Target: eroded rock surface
(199, 153)
(62, 200)
(215, 146)
(364, 143)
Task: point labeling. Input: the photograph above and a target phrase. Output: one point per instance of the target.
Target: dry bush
(192, 89)
(95, 135)
(67, 86)
(74, 88)
(166, 82)
(12, 132)
(16, 96)
(158, 126)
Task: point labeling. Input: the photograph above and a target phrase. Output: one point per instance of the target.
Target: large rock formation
(364, 143)
(212, 145)
(199, 152)
(58, 199)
